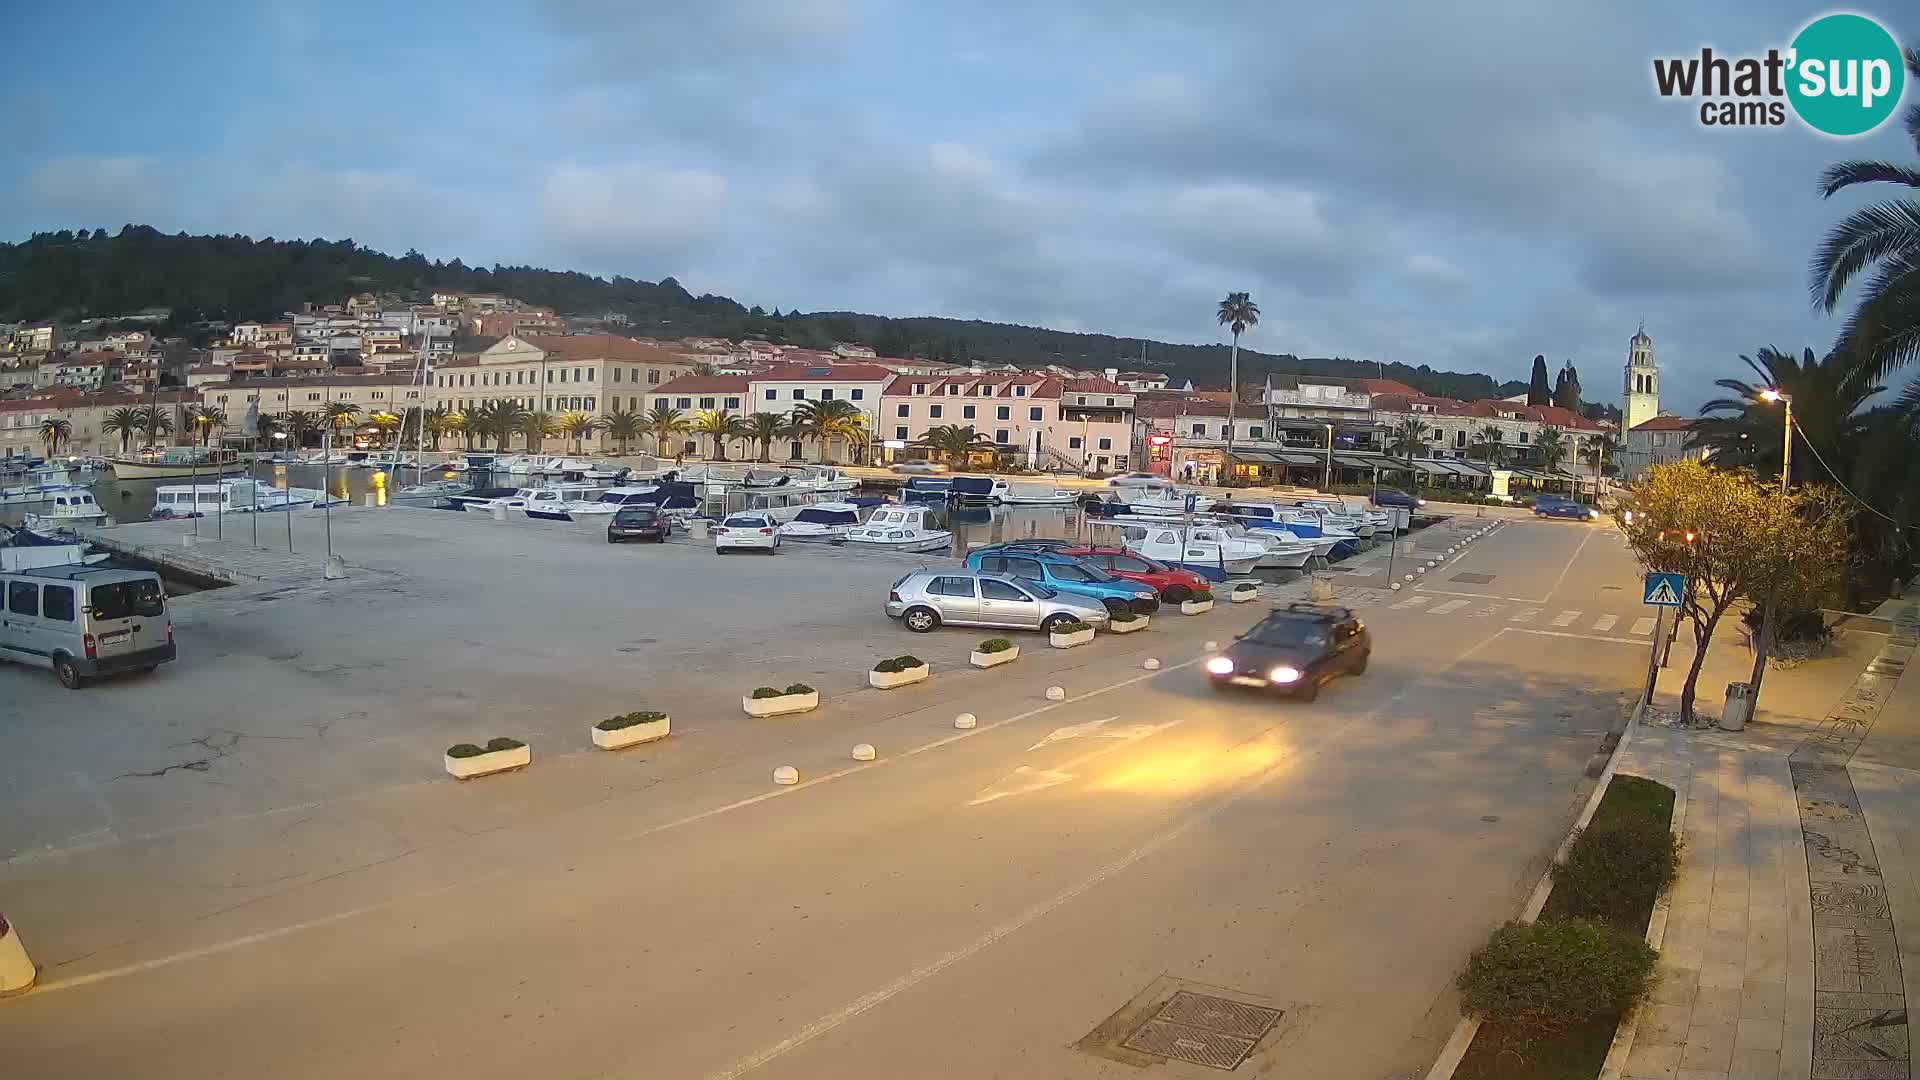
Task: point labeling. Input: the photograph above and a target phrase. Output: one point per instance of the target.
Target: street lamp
(1786, 443)
(1765, 637)
(1329, 480)
(278, 437)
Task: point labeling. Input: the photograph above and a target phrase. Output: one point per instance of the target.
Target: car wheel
(148, 669)
(68, 675)
(920, 620)
(1309, 689)
(1117, 607)
(1361, 667)
(1054, 622)
(1176, 594)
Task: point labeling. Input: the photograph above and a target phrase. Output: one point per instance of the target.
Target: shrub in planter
(1201, 600)
(897, 671)
(1617, 868)
(464, 750)
(993, 652)
(1067, 635)
(497, 745)
(1548, 976)
(1126, 622)
(464, 760)
(631, 729)
(1791, 627)
(767, 701)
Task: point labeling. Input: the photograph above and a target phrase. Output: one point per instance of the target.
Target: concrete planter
(994, 659)
(493, 761)
(633, 735)
(1130, 626)
(777, 706)
(1068, 641)
(1195, 607)
(887, 680)
(1243, 592)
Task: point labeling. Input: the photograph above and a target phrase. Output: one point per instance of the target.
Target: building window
(799, 395)
(903, 409)
(919, 388)
(549, 376)
(1003, 413)
(733, 403)
(683, 403)
(1106, 444)
(1199, 431)
(1253, 432)
(616, 374)
(1460, 439)
(1074, 443)
(379, 394)
(313, 397)
(953, 389)
(1000, 436)
(589, 406)
(1019, 391)
(900, 433)
(933, 411)
(653, 375)
(706, 403)
(966, 412)
(857, 394)
(576, 376)
(826, 394)
(590, 378)
(773, 395)
(1523, 438)
(1109, 402)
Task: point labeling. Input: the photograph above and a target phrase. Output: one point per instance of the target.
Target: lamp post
(1765, 636)
(277, 436)
(1327, 485)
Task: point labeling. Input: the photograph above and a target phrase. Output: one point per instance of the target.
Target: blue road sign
(1193, 502)
(1665, 590)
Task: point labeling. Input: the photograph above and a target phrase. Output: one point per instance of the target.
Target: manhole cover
(1474, 579)
(1205, 1030)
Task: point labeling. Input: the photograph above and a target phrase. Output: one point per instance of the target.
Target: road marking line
(1479, 596)
(1073, 731)
(1032, 779)
(1643, 626)
(1557, 633)
(1557, 582)
(1605, 623)
(1525, 616)
(1411, 601)
(1444, 608)
(1565, 618)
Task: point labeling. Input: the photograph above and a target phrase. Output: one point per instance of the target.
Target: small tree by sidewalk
(1733, 539)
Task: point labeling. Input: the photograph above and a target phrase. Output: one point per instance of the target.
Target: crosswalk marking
(1525, 616)
(1605, 622)
(1442, 609)
(1565, 618)
(1411, 601)
(1483, 612)
(1643, 626)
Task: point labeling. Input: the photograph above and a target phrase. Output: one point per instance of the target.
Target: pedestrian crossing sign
(1664, 590)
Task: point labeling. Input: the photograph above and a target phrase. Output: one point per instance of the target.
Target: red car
(1122, 563)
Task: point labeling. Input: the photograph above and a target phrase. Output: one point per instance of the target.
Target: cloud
(1433, 272)
(639, 214)
(101, 190)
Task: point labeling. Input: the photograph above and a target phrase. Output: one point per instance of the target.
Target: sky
(1462, 185)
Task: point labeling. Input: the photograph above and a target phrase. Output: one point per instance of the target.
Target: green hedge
(1547, 977)
(1622, 860)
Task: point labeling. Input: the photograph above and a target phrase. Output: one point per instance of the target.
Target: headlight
(1593, 515)
(1284, 675)
(1220, 665)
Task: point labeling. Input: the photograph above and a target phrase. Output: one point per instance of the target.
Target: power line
(1836, 476)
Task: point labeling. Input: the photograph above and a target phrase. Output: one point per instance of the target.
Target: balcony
(1326, 399)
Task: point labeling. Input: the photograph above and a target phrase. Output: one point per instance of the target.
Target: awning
(1432, 468)
(1259, 457)
(1362, 461)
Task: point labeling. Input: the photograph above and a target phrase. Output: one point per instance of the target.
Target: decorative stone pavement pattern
(1860, 1006)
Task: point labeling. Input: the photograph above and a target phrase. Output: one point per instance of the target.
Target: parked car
(1562, 507)
(1294, 650)
(638, 523)
(1172, 583)
(751, 529)
(924, 599)
(1396, 497)
(84, 621)
(1067, 574)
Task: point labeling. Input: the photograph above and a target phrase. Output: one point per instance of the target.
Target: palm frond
(1848, 173)
(1867, 235)
(1883, 333)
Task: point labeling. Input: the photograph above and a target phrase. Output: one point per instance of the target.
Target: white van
(83, 621)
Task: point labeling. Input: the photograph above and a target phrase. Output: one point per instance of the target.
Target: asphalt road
(970, 904)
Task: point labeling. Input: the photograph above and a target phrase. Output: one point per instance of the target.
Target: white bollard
(1395, 586)
(863, 751)
(16, 967)
(1211, 646)
(1056, 693)
(786, 774)
(1151, 664)
(965, 721)
(336, 568)
(1409, 577)
(1419, 569)
(499, 513)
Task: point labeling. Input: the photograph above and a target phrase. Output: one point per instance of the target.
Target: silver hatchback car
(926, 598)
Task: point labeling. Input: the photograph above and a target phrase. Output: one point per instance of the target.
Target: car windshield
(745, 521)
(125, 599)
(1040, 589)
(1289, 632)
(645, 516)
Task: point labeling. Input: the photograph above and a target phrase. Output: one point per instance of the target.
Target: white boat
(554, 466)
(900, 528)
(28, 494)
(595, 512)
(431, 493)
(781, 504)
(176, 461)
(1024, 493)
(67, 509)
(1283, 551)
(823, 478)
(553, 497)
(1216, 558)
(234, 496)
(1335, 514)
(523, 463)
(1266, 517)
(827, 521)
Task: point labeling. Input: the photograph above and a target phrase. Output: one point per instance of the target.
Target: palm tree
(457, 422)
(437, 421)
(1408, 438)
(663, 423)
(53, 432)
(829, 420)
(299, 423)
(578, 425)
(340, 414)
(1550, 448)
(719, 425)
(536, 425)
(956, 443)
(204, 419)
(123, 421)
(1829, 397)
(763, 428)
(623, 425)
(1237, 312)
(155, 421)
(857, 429)
(1884, 330)
(1487, 445)
(385, 423)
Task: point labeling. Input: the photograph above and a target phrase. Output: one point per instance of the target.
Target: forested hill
(68, 276)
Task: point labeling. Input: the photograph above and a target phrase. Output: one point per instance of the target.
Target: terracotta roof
(824, 372)
(1664, 423)
(1360, 386)
(1100, 385)
(602, 347)
(289, 382)
(703, 384)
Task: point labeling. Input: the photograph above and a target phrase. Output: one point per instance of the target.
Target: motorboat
(234, 496)
(972, 488)
(68, 509)
(431, 493)
(823, 478)
(553, 497)
(1266, 517)
(25, 549)
(469, 461)
(563, 464)
(827, 521)
(524, 463)
(932, 489)
(900, 528)
(1337, 514)
(1283, 551)
(28, 494)
(1158, 496)
(597, 511)
(174, 462)
(1215, 557)
(1023, 493)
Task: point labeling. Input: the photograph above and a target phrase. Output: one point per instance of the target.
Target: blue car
(1067, 574)
(1562, 507)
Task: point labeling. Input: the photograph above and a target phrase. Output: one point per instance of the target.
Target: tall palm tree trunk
(1233, 399)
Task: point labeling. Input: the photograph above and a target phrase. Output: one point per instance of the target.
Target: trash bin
(697, 528)
(1738, 708)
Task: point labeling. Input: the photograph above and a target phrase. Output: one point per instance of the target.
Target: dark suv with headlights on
(1294, 650)
(638, 523)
